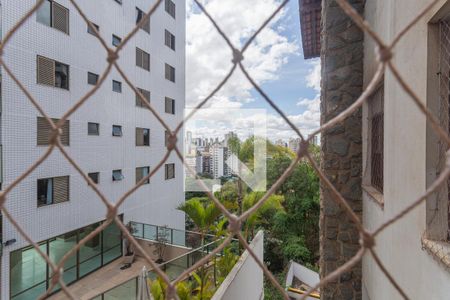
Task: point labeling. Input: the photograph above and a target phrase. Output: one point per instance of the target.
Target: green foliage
(225, 264)
(202, 213)
(270, 291)
(205, 288)
(184, 290)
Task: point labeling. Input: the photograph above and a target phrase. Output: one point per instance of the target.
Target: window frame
(119, 127)
(97, 132)
(117, 83)
(96, 178)
(92, 75)
(142, 175)
(51, 24)
(90, 31)
(52, 179)
(170, 8)
(116, 40)
(118, 177)
(146, 25)
(170, 72)
(167, 175)
(40, 81)
(169, 39)
(172, 109)
(145, 143)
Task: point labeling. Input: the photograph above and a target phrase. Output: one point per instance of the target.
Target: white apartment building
(111, 136)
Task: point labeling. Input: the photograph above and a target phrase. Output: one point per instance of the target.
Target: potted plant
(161, 243)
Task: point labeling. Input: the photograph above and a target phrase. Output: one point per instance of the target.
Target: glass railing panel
(150, 232)
(138, 229)
(179, 237)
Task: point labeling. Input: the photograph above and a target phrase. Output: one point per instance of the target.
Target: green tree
(202, 213)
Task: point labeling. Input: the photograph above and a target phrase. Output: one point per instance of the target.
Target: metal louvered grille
(61, 189)
(60, 17)
(44, 132)
(45, 71)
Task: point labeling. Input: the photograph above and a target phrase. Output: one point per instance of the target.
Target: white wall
(399, 246)
(154, 203)
(246, 279)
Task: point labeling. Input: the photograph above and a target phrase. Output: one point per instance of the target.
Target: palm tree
(203, 215)
(263, 215)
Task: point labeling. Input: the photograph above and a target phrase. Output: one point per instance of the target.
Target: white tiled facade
(154, 203)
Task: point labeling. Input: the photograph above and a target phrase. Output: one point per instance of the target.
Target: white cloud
(209, 60)
(209, 57)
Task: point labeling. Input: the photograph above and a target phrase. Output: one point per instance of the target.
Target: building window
(139, 16)
(93, 128)
(91, 31)
(117, 86)
(95, 177)
(52, 190)
(31, 276)
(170, 73)
(92, 78)
(142, 59)
(169, 40)
(141, 173)
(170, 8)
(44, 132)
(142, 137)
(376, 126)
(139, 101)
(53, 73)
(169, 171)
(117, 130)
(117, 175)
(116, 40)
(54, 15)
(170, 105)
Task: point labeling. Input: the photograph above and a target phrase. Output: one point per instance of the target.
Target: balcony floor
(103, 280)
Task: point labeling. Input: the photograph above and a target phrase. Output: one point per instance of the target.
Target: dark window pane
(117, 86)
(44, 13)
(116, 40)
(117, 130)
(92, 78)
(89, 30)
(95, 176)
(146, 134)
(93, 128)
(61, 75)
(58, 247)
(117, 175)
(45, 191)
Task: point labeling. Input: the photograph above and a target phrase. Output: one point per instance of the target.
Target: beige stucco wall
(405, 178)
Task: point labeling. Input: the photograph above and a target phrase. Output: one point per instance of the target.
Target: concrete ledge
(439, 250)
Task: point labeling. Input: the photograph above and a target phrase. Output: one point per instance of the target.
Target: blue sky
(274, 60)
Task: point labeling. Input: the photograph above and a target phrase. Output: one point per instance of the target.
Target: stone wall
(342, 84)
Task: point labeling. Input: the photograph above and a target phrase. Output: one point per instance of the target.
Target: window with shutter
(139, 101)
(142, 59)
(376, 115)
(170, 8)
(45, 71)
(169, 40)
(170, 171)
(61, 189)
(170, 73)
(60, 17)
(44, 131)
(52, 190)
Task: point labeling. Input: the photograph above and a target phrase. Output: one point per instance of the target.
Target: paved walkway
(102, 280)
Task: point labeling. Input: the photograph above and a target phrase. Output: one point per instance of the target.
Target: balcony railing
(182, 238)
